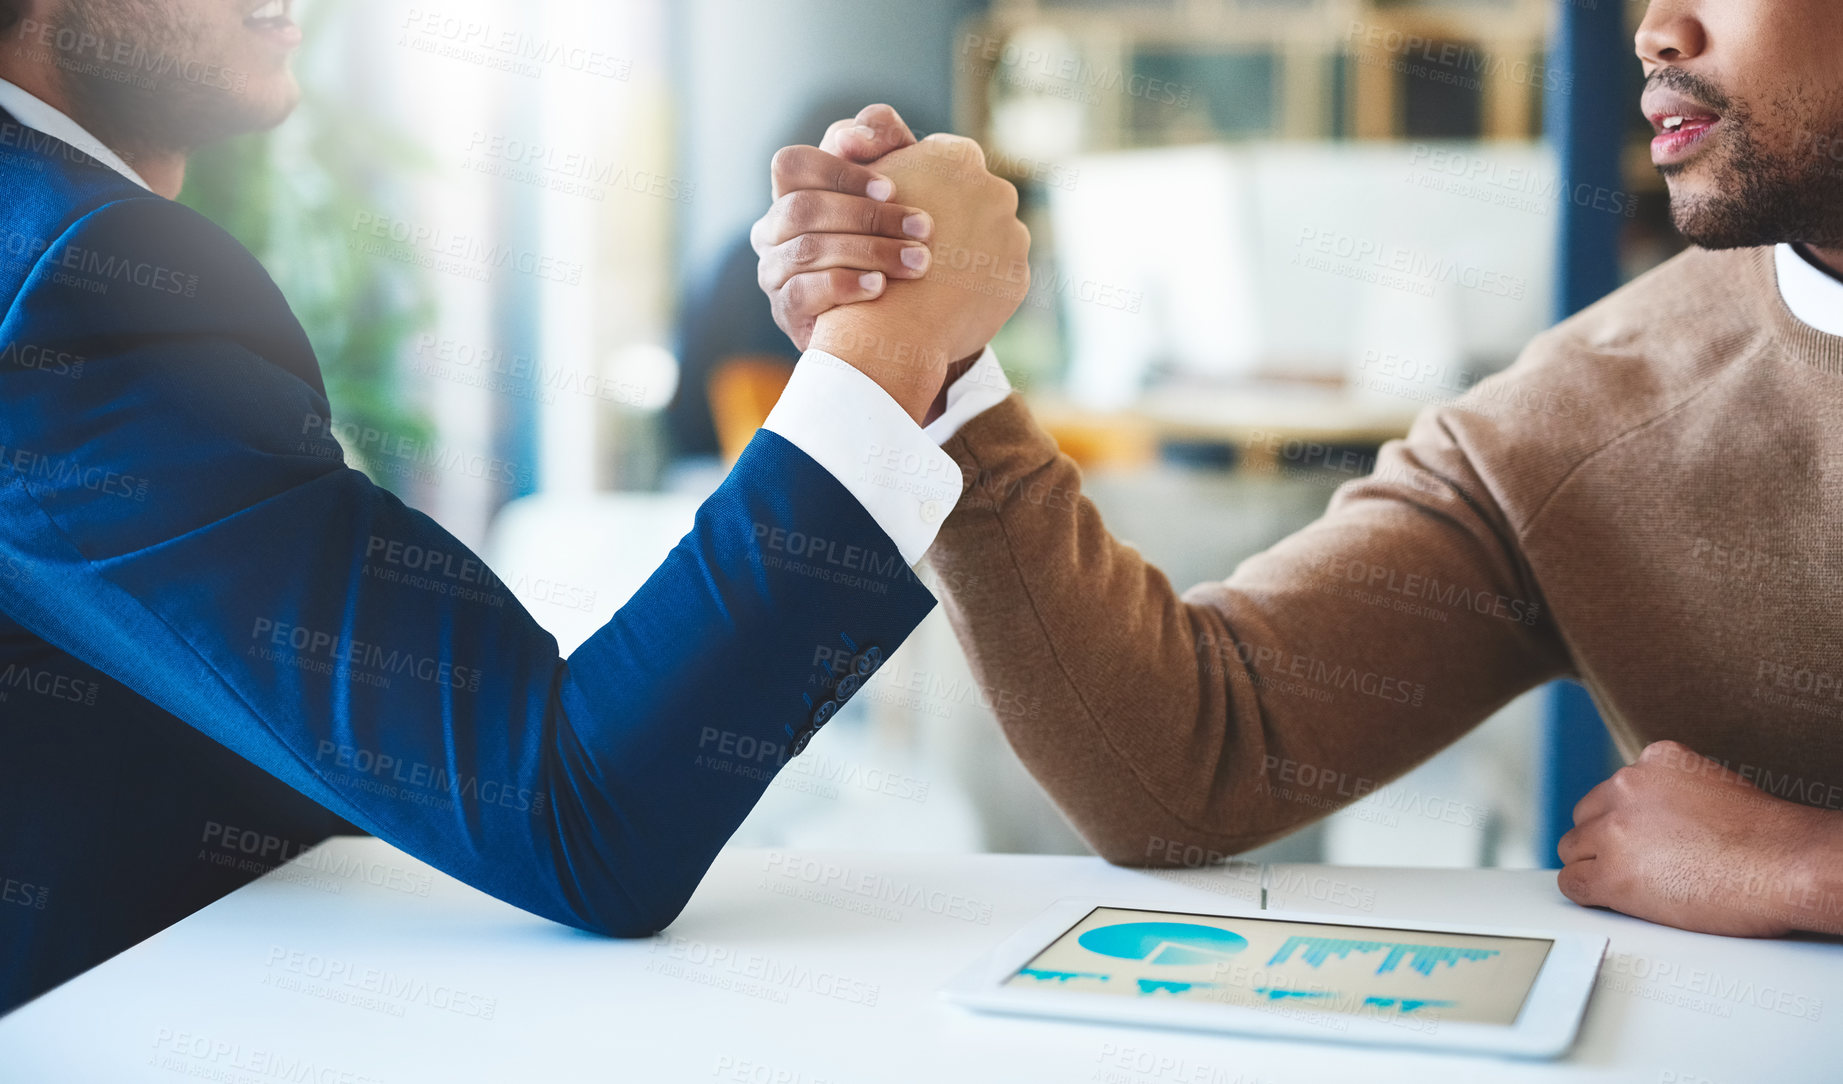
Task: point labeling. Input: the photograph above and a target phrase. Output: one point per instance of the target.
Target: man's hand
(1678, 839)
(907, 339)
(832, 236)
(827, 244)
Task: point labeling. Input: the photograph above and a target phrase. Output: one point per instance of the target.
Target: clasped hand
(910, 292)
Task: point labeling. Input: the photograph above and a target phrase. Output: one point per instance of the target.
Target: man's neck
(164, 171)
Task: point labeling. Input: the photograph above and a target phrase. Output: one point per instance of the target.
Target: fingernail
(880, 189)
(915, 257)
(864, 131)
(918, 226)
(872, 282)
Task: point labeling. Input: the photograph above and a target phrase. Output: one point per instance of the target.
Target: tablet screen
(1277, 964)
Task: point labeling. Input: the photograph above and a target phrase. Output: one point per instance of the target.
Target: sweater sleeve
(1169, 726)
(182, 518)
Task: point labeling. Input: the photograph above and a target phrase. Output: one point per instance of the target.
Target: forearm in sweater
(1172, 728)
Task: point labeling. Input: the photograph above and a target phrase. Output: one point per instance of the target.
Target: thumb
(876, 131)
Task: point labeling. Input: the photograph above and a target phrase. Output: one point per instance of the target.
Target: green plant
(291, 196)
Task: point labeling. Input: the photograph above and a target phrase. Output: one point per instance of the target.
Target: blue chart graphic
(1148, 987)
(1422, 958)
(1168, 944)
(1061, 976)
(1274, 994)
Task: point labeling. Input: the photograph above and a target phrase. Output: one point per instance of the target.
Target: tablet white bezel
(1544, 1028)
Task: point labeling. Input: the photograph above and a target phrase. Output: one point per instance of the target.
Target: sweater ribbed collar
(1800, 340)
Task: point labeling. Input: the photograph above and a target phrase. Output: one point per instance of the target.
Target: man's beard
(165, 96)
(1757, 197)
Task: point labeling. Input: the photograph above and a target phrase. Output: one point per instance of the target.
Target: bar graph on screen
(1421, 958)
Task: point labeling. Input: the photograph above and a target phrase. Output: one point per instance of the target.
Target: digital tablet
(1285, 974)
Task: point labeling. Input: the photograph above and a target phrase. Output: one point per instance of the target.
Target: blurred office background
(1268, 233)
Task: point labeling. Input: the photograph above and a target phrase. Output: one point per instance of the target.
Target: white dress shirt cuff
(978, 390)
(852, 428)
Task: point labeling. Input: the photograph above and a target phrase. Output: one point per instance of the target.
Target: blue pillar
(1576, 757)
(1589, 100)
(1590, 61)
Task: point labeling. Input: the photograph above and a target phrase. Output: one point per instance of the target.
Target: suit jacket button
(847, 688)
(823, 714)
(800, 743)
(867, 660)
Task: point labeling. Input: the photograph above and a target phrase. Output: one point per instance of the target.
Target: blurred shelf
(1040, 81)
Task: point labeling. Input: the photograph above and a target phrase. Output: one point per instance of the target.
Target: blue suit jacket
(220, 644)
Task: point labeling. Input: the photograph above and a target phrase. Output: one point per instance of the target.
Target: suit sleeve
(1174, 727)
(180, 515)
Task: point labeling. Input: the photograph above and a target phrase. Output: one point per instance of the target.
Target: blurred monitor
(1311, 261)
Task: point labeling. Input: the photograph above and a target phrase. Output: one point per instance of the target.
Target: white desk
(358, 964)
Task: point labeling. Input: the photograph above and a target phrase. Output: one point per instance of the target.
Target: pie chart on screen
(1168, 944)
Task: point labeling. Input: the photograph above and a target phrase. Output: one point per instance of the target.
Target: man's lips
(271, 20)
(1681, 124)
(1677, 141)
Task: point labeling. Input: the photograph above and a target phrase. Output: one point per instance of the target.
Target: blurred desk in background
(1268, 426)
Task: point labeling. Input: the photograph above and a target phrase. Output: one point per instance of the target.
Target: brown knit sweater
(1650, 500)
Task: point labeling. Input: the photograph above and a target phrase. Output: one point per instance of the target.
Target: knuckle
(803, 251)
(1662, 750)
(771, 224)
(959, 149)
(1573, 883)
(797, 295)
(787, 161)
(800, 212)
